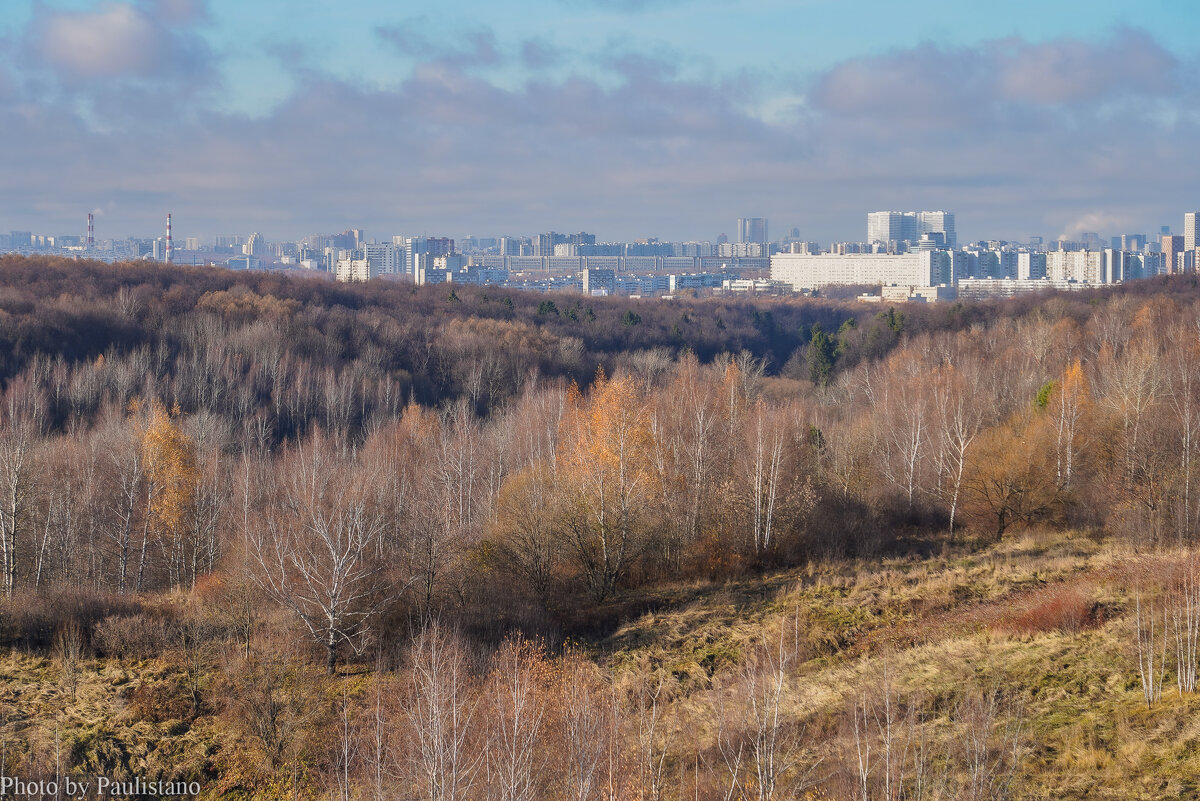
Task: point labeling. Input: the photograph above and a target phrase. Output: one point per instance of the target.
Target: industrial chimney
(91, 234)
(170, 247)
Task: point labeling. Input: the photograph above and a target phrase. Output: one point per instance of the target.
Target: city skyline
(658, 118)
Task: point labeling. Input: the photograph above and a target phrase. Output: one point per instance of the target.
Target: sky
(624, 118)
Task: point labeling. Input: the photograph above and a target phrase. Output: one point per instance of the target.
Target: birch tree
(316, 547)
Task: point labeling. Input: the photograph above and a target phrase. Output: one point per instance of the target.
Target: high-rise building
(752, 229)
(891, 226)
(255, 245)
(383, 259)
(937, 222)
(1172, 246)
(1191, 230)
(1129, 242)
(908, 226)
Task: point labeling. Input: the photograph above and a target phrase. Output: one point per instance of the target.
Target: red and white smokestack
(91, 236)
(170, 247)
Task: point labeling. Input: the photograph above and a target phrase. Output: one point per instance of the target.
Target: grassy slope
(989, 619)
(115, 725)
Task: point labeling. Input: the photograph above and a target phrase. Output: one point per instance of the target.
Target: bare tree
(440, 707)
(959, 418)
(345, 748)
(1151, 647)
(315, 548)
(1184, 394)
(591, 718)
(768, 464)
(1185, 622)
(904, 435)
(125, 507)
(516, 717)
(651, 697)
(761, 749)
(16, 479)
(989, 734)
(68, 647)
(525, 525)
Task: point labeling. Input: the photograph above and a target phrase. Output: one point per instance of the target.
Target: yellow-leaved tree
(608, 481)
(169, 460)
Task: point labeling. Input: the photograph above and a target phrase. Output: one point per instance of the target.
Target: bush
(139, 636)
(1065, 609)
(31, 620)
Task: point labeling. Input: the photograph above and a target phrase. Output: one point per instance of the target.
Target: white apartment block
(1031, 266)
(353, 270)
(920, 268)
(891, 226)
(1191, 230)
(1086, 266)
(384, 259)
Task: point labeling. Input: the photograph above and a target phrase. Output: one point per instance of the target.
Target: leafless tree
(345, 747)
(959, 417)
(768, 465)
(762, 751)
(16, 486)
(315, 548)
(1151, 647)
(1185, 622)
(904, 435)
(68, 647)
(516, 715)
(440, 709)
(591, 717)
(1184, 393)
(989, 733)
(651, 698)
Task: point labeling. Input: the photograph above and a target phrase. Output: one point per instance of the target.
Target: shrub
(1065, 609)
(139, 636)
(31, 620)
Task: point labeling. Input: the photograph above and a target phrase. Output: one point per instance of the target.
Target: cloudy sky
(627, 118)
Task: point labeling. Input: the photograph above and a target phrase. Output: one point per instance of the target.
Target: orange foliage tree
(1010, 473)
(608, 482)
(169, 459)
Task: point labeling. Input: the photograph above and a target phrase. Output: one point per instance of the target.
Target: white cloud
(116, 39)
(1015, 137)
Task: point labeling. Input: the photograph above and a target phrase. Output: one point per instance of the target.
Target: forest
(293, 539)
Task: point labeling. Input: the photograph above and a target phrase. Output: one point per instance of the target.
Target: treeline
(361, 461)
(299, 351)
(204, 407)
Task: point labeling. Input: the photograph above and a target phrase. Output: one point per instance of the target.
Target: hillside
(1033, 634)
(286, 538)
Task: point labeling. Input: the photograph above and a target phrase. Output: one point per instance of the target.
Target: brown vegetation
(447, 504)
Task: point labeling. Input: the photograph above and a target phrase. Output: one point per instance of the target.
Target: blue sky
(623, 117)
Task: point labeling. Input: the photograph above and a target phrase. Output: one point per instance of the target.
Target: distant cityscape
(907, 255)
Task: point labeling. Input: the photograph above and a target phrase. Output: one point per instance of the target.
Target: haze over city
(633, 119)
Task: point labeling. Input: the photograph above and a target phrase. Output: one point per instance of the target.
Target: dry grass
(1041, 619)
